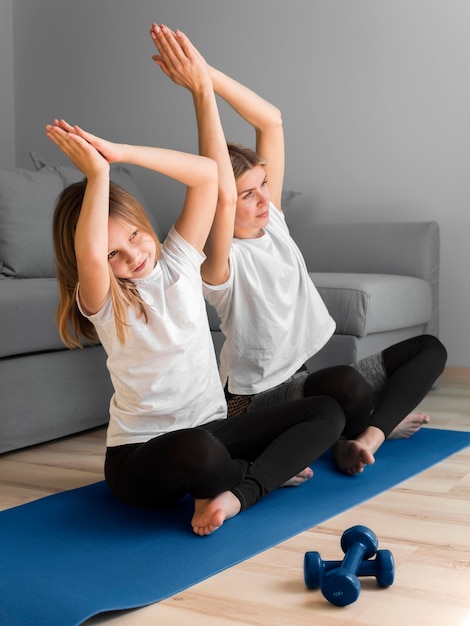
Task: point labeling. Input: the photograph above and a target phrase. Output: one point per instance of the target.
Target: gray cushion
(27, 201)
(362, 304)
(27, 316)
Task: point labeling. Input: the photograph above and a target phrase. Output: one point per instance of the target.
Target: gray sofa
(380, 282)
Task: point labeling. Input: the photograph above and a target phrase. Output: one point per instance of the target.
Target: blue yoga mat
(70, 556)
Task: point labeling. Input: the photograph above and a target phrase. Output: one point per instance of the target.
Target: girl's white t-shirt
(165, 375)
(271, 313)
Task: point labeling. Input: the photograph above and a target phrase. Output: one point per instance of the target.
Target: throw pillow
(27, 202)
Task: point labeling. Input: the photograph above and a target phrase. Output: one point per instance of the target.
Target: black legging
(410, 368)
(349, 388)
(249, 454)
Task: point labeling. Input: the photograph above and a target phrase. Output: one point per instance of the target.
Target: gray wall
(7, 102)
(375, 97)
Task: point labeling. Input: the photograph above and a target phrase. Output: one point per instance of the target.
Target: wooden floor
(425, 522)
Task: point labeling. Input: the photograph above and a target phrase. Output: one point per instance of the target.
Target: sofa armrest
(401, 248)
(363, 304)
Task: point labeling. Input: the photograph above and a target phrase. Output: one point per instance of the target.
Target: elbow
(212, 169)
(271, 123)
(275, 117)
(227, 199)
(206, 172)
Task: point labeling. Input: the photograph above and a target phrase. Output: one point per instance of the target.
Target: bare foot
(299, 478)
(211, 513)
(352, 456)
(409, 426)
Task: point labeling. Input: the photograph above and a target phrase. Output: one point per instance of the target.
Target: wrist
(98, 174)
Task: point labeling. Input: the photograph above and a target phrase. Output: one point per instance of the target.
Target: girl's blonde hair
(243, 159)
(72, 325)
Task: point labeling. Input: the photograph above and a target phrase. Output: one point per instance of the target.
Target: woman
(271, 315)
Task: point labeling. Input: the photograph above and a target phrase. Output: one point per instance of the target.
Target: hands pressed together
(179, 59)
(88, 153)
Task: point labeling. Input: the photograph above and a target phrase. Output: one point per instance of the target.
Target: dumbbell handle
(382, 567)
(366, 568)
(354, 557)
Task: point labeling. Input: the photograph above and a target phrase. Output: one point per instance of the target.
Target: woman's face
(132, 253)
(252, 213)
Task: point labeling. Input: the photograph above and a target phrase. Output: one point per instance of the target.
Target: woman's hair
(243, 159)
(71, 323)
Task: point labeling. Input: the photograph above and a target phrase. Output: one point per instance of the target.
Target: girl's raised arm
(92, 155)
(91, 235)
(197, 173)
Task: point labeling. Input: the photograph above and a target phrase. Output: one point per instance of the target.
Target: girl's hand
(179, 59)
(86, 151)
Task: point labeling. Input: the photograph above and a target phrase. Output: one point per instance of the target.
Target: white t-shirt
(165, 375)
(272, 316)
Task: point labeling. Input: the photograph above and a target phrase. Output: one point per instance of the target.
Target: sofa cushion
(27, 201)
(27, 322)
(362, 304)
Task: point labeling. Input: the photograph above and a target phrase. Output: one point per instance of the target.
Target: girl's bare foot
(211, 513)
(299, 478)
(409, 426)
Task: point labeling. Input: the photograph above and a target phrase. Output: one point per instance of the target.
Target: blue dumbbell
(341, 585)
(382, 567)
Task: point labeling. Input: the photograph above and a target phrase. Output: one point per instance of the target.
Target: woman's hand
(179, 59)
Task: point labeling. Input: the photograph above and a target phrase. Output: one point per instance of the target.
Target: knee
(202, 452)
(437, 349)
(353, 388)
(333, 415)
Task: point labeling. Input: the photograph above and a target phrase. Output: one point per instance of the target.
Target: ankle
(372, 437)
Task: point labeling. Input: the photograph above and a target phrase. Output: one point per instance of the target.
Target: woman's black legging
(349, 388)
(412, 367)
(399, 378)
(249, 454)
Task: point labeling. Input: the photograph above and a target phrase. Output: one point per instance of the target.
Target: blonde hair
(72, 325)
(243, 159)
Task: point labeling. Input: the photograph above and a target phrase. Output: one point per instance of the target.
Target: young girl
(255, 276)
(168, 434)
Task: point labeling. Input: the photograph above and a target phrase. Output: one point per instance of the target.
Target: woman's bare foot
(211, 513)
(353, 455)
(299, 478)
(409, 426)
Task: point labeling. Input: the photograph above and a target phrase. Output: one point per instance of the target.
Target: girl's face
(252, 213)
(132, 253)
